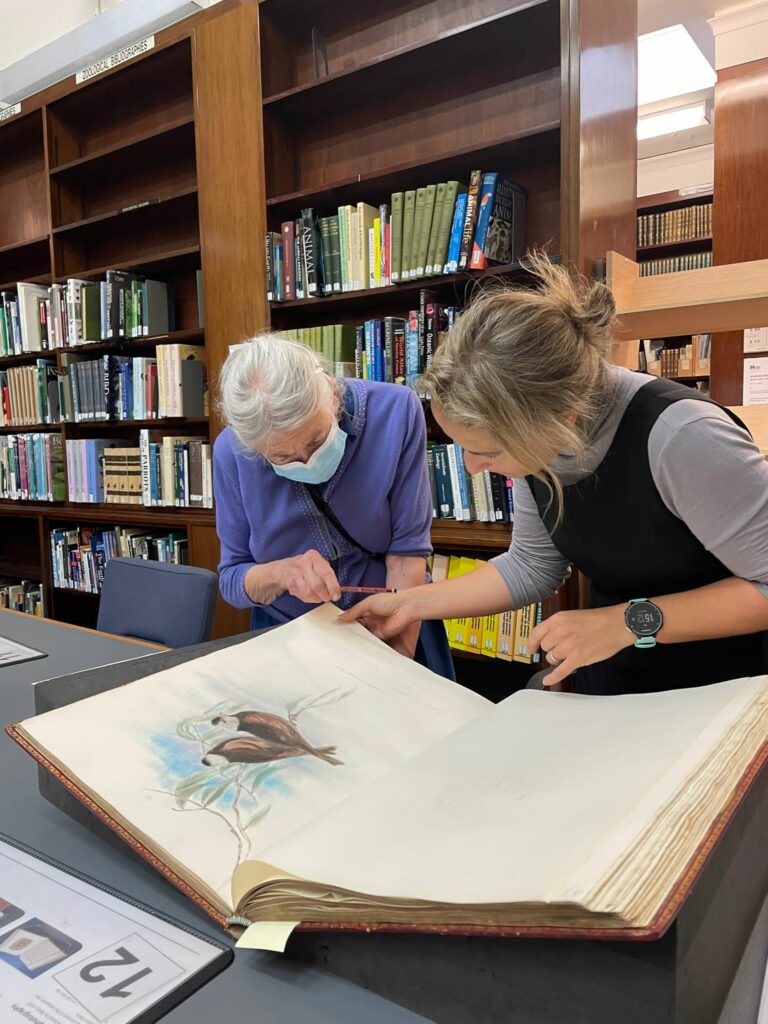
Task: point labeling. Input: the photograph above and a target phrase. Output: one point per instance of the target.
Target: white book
(29, 316)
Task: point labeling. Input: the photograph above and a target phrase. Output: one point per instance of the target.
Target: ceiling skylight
(670, 64)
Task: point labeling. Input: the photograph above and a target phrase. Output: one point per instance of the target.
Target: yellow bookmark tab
(272, 935)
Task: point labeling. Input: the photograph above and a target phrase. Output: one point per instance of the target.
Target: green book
(342, 250)
(335, 240)
(409, 211)
(317, 339)
(344, 343)
(395, 236)
(440, 255)
(325, 247)
(327, 342)
(437, 218)
(418, 222)
(90, 301)
(422, 251)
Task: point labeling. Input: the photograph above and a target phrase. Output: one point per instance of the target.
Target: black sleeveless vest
(616, 529)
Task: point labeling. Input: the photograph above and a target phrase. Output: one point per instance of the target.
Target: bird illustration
(251, 750)
(265, 726)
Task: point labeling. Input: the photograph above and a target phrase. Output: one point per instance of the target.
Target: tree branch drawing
(234, 793)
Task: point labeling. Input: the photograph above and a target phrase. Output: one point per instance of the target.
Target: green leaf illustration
(262, 812)
(189, 786)
(215, 792)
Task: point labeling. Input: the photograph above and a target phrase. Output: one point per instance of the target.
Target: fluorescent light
(668, 121)
(98, 37)
(669, 63)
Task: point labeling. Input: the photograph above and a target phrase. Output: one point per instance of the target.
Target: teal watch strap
(644, 642)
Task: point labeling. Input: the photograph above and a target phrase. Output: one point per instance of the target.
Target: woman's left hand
(570, 640)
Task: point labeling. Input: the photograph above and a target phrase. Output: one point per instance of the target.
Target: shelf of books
(674, 230)
(105, 358)
(413, 155)
(377, 238)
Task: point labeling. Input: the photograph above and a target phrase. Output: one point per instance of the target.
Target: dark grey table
(260, 987)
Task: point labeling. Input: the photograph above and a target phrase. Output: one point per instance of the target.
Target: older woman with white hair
(321, 484)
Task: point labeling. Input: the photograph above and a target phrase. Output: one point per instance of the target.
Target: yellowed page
(358, 708)
(508, 808)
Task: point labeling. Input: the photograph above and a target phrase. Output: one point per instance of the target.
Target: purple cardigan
(380, 494)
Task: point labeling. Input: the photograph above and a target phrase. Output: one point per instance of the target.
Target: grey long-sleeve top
(707, 472)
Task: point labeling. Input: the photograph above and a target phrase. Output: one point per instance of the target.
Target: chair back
(160, 602)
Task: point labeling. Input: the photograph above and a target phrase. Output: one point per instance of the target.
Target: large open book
(313, 774)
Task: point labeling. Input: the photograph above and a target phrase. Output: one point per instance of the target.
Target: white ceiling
(693, 14)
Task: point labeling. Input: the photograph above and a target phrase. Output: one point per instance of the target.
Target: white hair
(269, 385)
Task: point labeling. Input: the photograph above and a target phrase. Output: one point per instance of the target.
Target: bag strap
(322, 506)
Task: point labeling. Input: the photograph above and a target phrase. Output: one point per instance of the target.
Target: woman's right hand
(309, 578)
(384, 615)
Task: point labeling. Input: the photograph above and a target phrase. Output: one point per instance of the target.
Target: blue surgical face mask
(321, 465)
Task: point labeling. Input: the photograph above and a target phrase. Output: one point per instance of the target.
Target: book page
(216, 759)
(508, 808)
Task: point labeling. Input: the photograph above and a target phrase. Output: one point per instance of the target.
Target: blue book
(41, 467)
(485, 202)
(412, 350)
(378, 349)
(369, 366)
(154, 490)
(464, 501)
(454, 245)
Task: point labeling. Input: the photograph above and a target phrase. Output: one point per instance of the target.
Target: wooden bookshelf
(664, 203)
(136, 170)
(426, 92)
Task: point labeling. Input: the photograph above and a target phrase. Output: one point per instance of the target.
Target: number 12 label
(116, 977)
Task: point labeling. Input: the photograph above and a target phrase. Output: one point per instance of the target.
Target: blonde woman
(654, 492)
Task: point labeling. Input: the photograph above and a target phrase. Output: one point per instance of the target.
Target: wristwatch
(644, 619)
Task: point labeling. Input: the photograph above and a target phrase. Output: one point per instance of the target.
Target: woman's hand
(309, 578)
(570, 640)
(387, 616)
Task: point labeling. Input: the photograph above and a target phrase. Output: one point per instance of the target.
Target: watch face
(643, 618)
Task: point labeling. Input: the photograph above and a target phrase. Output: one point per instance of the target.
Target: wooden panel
(204, 552)
(599, 167)
(23, 184)
(465, 112)
(231, 181)
(365, 32)
(158, 166)
(741, 188)
(695, 302)
(149, 94)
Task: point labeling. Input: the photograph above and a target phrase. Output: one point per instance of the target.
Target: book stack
(29, 394)
(162, 471)
(456, 494)
(79, 554)
(422, 232)
(682, 225)
(396, 350)
(117, 387)
(503, 636)
(31, 467)
(335, 342)
(22, 596)
(674, 264)
(36, 318)
(668, 360)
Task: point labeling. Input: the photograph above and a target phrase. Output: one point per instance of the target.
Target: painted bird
(268, 727)
(251, 750)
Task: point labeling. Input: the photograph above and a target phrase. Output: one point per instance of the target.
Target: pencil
(368, 590)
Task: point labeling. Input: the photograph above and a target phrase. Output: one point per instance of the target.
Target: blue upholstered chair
(156, 601)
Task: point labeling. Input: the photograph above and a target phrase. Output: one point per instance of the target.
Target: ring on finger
(552, 659)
